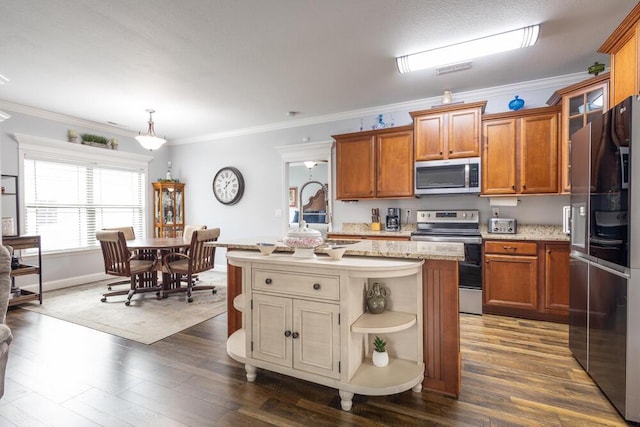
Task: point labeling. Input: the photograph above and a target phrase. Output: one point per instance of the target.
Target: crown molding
(71, 120)
(418, 104)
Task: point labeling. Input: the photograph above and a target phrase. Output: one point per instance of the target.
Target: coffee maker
(393, 220)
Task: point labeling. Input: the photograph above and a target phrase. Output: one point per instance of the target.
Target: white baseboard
(80, 280)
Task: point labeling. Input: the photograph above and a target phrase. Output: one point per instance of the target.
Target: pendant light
(149, 140)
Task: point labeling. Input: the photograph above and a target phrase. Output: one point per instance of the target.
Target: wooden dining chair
(129, 234)
(198, 258)
(186, 237)
(119, 261)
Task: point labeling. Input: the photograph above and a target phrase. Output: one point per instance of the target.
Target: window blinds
(66, 202)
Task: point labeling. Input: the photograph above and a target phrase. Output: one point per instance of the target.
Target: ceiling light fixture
(468, 50)
(310, 164)
(149, 140)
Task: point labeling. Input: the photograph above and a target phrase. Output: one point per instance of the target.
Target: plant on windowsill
(380, 357)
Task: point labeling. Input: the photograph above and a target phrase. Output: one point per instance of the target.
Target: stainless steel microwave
(448, 176)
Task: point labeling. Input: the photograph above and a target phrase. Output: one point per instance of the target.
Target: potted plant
(73, 135)
(113, 142)
(380, 356)
(94, 139)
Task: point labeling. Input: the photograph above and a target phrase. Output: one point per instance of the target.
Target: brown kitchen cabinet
(622, 46)
(520, 152)
(527, 279)
(448, 131)
(581, 103)
(375, 164)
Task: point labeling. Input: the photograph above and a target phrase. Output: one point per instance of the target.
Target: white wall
(255, 155)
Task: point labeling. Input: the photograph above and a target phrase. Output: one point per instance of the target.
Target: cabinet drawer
(316, 286)
(507, 247)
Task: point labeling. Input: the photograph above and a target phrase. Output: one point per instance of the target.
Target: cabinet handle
(524, 186)
(441, 152)
(295, 335)
(450, 151)
(513, 187)
(507, 248)
(267, 281)
(316, 286)
(287, 334)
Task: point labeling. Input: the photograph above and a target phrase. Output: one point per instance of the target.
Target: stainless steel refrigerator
(604, 299)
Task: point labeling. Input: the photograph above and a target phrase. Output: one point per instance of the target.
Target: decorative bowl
(336, 252)
(266, 248)
(304, 240)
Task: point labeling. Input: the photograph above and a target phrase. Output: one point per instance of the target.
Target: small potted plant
(94, 140)
(113, 143)
(73, 135)
(380, 356)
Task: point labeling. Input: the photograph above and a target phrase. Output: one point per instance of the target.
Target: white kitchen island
(306, 317)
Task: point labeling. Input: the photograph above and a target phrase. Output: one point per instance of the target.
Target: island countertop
(446, 251)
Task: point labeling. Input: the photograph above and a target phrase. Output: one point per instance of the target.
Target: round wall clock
(228, 185)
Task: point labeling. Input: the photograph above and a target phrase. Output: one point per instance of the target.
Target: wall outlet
(495, 212)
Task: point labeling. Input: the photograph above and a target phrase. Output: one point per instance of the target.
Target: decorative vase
(516, 103)
(376, 299)
(380, 359)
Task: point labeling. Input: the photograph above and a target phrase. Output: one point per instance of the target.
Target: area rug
(146, 320)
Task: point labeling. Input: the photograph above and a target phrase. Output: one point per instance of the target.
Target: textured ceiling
(210, 67)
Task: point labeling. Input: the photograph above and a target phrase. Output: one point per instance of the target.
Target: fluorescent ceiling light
(466, 51)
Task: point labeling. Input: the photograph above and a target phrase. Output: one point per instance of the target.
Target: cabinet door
(539, 154)
(395, 170)
(271, 319)
(624, 68)
(511, 282)
(316, 347)
(430, 137)
(499, 157)
(355, 168)
(556, 270)
(464, 133)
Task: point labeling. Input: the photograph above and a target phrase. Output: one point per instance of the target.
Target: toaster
(503, 225)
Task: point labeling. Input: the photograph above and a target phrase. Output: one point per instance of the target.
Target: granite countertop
(446, 251)
(525, 232)
(529, 232)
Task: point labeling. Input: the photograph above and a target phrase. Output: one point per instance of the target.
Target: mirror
(305, 183)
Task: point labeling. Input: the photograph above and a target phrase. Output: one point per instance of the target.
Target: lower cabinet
(526, 279)
(306, 318)
(296, 333)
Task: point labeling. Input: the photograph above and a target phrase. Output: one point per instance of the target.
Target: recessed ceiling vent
(453, 68)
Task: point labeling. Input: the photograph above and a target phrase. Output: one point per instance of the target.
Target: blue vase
(516, 103)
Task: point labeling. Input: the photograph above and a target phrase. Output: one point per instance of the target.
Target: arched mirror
(307, 187)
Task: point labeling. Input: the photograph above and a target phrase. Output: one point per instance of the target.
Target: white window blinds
(66, 202)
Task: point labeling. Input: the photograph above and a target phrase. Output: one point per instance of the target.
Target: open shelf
(385, 322)
(240, 302)
(398, 376)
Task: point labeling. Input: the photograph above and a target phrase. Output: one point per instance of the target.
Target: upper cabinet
(581, 102)
(375, 164)
(448, 132)
(520, 152)
(622, 45)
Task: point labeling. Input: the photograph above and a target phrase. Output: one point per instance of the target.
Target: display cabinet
(168, 205)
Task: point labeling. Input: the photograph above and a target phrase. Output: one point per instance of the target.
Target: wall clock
(228, 185)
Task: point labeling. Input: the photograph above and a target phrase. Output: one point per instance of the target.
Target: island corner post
(441, 330)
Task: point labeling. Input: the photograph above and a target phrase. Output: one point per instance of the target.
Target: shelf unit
(10, 203)
(20, 243)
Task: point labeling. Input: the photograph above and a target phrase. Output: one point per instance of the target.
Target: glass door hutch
(168, 201)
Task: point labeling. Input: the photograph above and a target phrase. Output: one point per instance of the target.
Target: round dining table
(158, 247)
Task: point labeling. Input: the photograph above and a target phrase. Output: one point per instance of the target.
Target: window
(68, 197)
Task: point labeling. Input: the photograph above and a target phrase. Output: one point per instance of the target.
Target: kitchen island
(424, 274)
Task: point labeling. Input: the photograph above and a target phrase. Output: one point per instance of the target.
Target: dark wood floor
(515, 373)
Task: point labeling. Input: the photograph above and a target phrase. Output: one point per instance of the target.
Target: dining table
(158, 247)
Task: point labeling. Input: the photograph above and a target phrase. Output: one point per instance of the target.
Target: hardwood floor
(515, 373)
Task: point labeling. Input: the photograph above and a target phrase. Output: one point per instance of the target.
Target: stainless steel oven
(457, 226)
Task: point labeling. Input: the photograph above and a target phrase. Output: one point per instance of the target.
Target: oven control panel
(503, 225)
